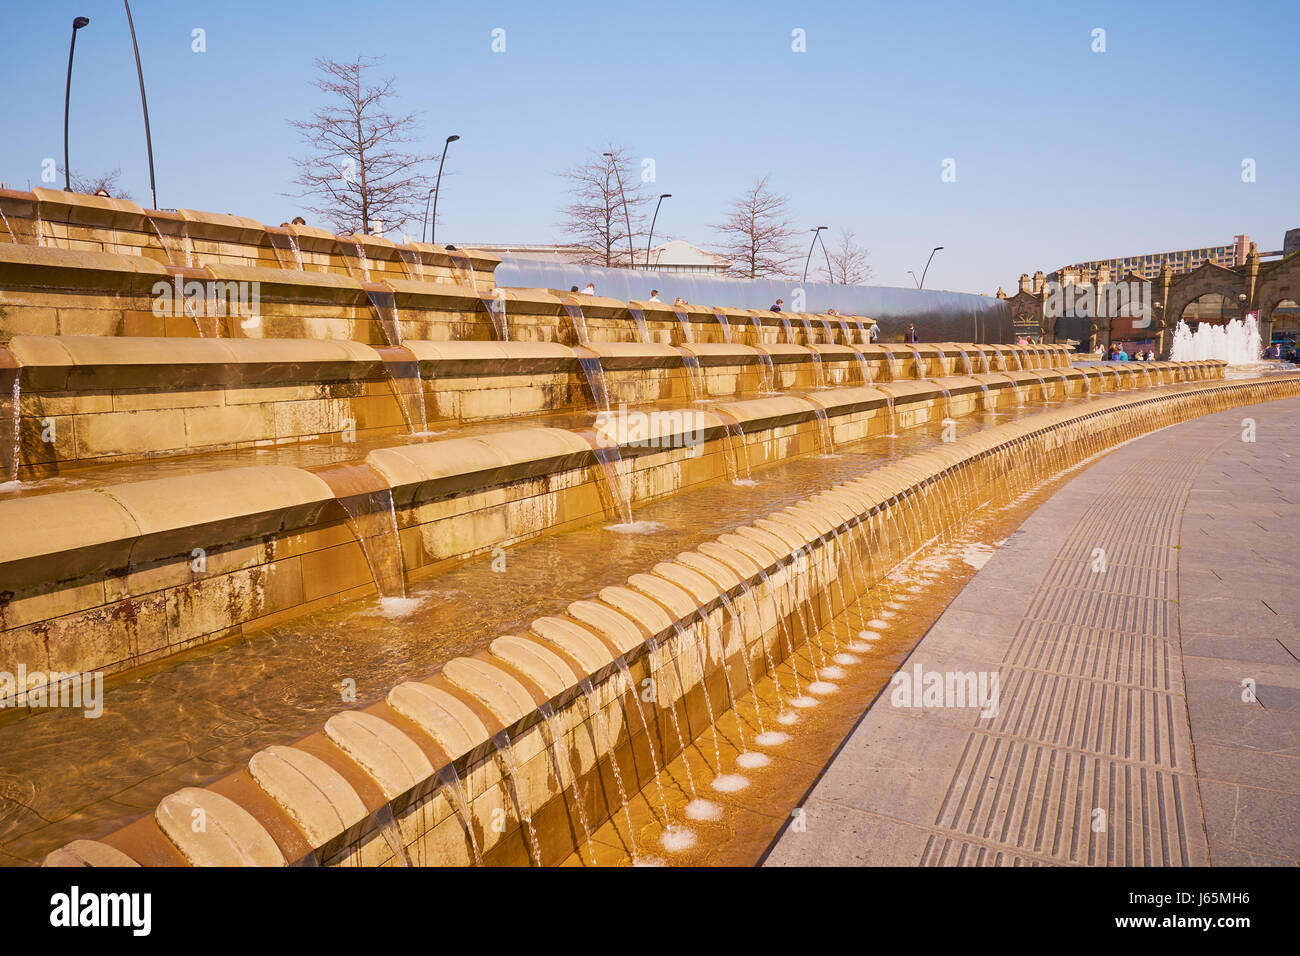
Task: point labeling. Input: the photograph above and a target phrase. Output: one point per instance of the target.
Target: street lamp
(652, 227)
(139, 72)
(829, 277)
(808, 258)
(631, 256)
(914, 278)
(77, 24)
(424, 229)
(433, 227)
(921, 284)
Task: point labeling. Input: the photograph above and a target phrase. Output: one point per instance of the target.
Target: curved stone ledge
(623, 619)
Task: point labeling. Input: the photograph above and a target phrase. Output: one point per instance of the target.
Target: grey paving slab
(1121, 736)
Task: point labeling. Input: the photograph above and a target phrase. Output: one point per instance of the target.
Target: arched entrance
(1213, 307)
(1286, 327)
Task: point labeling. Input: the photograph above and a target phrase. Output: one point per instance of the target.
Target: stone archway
(1279, 282)
(1213, 307)
(1206, 279)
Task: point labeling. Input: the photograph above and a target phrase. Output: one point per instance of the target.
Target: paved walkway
(1127, 622)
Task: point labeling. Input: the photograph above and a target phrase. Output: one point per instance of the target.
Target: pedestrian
(679, 303)
(831, 312)
(590, 290)
(299, 221)
(776, 306)
(1123, 356)
(573, 288)
(654, 295)
(910, 335)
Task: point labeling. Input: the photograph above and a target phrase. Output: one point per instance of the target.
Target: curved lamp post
(139, 71)
(631, 256)
(424, 229)
(433, 227)
(816, 232)
(921, 284)
(652, 227)
(77, 24)
(914, 278)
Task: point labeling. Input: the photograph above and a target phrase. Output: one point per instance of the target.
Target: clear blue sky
(1061, 153)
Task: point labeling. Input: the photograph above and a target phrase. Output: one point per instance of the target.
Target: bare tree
(605, 197)
(757, 235)
(89, 185)
(849, 265)
(358, 174)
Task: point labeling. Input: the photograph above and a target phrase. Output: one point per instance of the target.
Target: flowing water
(368, 502)
(285, 247)
(643, 330)
(509, 777)
(454, 791)
(724, 326)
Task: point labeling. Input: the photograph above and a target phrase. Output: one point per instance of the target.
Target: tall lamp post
(652, 227)
(77, 24)
(433, 227)
(921, 284)
(914, 278)
(424, 229)
(627, 216)
(829, 276)
(816, 232)
(139, 71)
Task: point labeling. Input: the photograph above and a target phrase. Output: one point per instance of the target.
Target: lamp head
(666, 196)
(452, 139)
(80, 22)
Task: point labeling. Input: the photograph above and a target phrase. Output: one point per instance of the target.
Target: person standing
(654, 295)
(776, 306)
(910, 335)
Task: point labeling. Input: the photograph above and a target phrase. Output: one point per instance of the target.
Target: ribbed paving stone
(1123, 733)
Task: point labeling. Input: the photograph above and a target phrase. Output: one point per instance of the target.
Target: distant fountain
(1237, 343)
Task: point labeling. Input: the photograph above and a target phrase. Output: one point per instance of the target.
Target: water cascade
(643, 330)
(285, 247)
(367, 500)
(454, 791)
(724, 325)
(509, 767)
(694, 375)
(552, 751)
(407, 385)
(384, 303)
(683, 321)
(180, 251)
